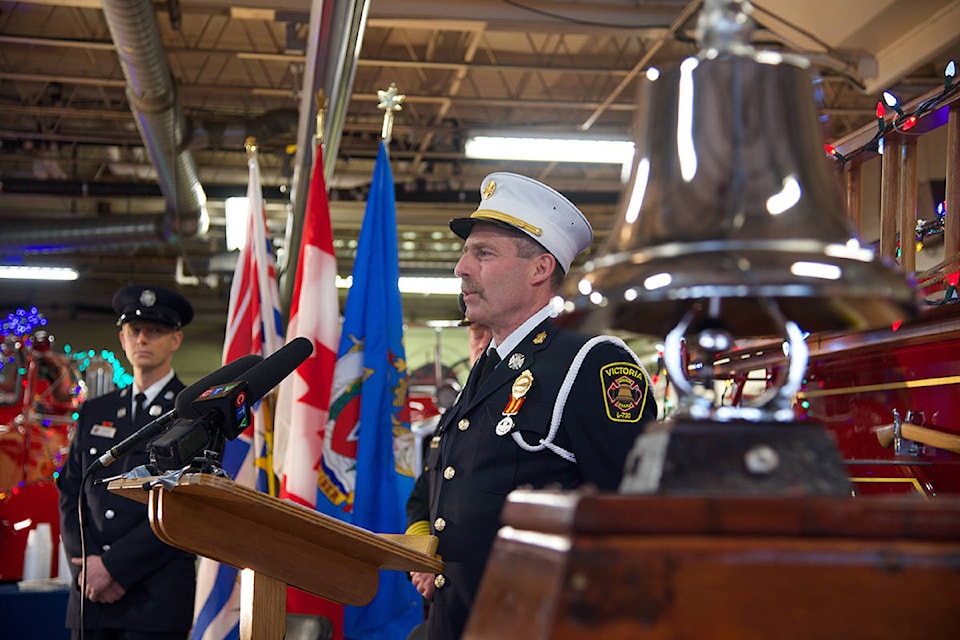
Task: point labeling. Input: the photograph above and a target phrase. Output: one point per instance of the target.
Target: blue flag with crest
(366, 471)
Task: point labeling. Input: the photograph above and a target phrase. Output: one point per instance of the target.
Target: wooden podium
(568, 566)
(281, 543)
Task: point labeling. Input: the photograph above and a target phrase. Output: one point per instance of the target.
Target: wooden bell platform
(587, 565)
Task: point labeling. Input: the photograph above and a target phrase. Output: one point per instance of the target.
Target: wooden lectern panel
(569, 566)
(222, 520)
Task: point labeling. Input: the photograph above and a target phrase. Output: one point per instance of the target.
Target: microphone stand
(209, 461)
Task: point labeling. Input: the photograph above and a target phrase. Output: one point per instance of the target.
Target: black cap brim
(166, 317)
(463, 226)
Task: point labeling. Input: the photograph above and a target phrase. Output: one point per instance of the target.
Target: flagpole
(391, 101)
(268, 401)
(321, 143)
(321, 113)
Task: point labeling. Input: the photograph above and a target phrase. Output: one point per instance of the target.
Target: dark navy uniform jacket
(159, 580)
(471, 469)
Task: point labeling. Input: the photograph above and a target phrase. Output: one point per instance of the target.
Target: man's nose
(460, 268)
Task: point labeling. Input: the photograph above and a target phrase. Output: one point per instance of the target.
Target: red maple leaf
(317, 372)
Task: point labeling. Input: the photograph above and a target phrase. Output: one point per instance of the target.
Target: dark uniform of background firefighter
(560, 410)
(137, 587)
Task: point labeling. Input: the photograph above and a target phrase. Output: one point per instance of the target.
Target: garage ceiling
(81, 188)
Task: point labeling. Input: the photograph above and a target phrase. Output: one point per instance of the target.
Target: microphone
(184, 402)
(263, 377)
(183, 408)
(225, 407)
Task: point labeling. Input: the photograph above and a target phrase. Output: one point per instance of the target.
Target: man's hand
(101, 587)
(423, 582)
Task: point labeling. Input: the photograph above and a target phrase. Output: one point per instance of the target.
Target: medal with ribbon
(517, 396)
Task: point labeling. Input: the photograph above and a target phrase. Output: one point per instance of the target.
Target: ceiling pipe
(60, 235)
(333, 49)
(275, 125)
(152, 95)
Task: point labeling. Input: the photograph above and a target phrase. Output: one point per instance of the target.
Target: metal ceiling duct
(333, 50)
(63, 235)
(152, 95)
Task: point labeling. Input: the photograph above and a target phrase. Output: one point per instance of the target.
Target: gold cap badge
(488, 189)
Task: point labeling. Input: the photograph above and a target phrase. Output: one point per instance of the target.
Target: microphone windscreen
(269, 373)
(227, 373)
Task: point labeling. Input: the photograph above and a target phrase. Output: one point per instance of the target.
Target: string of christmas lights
(22, 322)
(19, 325)
(902, 121)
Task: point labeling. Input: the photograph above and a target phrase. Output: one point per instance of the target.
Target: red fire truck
(40, 390)
(888, 395)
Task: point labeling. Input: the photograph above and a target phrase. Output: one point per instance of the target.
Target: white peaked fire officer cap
(519, 202)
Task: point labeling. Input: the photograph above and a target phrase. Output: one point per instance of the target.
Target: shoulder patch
(625, 391)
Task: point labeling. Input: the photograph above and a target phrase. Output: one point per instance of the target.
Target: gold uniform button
(463, 425)
(439, 524)
(440, 581)
(449, 472)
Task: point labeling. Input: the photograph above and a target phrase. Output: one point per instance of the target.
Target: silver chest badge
(504, 426)
(516, 361)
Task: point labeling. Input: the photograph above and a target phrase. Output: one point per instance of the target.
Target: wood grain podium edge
(222, 520)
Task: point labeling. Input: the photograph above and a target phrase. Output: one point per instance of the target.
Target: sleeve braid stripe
(418, 528)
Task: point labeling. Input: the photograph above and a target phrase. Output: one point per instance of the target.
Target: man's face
(149, 345)
(496, 282)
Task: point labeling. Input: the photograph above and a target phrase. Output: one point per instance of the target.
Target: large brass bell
(732, 203)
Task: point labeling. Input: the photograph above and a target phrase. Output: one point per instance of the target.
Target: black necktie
(489, 364)
(140, 409)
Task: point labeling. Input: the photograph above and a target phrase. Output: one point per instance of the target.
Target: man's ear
(177, 339)
(543, 268)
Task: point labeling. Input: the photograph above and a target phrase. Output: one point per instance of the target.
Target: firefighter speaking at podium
(542, 407)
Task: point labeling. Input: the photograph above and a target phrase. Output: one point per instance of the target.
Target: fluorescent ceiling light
(416, 284)
(37, 273)
(237, 210)
(549, 149)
